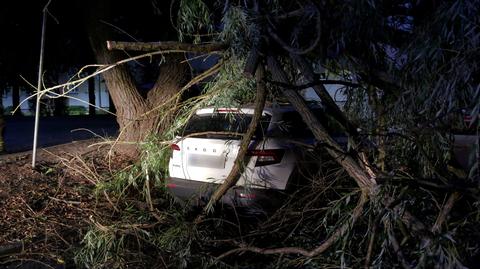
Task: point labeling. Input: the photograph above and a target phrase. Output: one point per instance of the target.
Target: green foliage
(193, 20)
(411, 92)
(152, 167)
(232, 88)
(156, 155)
(121, 181)
(101, 248)
(236, 30)
(176, 239)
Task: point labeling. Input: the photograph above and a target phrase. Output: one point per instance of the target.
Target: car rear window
(222, 125)
(292, 125)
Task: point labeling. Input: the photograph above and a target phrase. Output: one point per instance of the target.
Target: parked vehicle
(466, 141)
(205, 151)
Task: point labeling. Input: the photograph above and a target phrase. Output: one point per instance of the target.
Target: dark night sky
(21, 22)
(67, 43)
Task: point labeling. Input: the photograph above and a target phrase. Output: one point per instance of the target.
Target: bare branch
(323, 94)
(357, 212)
(395, 245)
(252, 63)
(298, 51)
(238, 166)
(292, 14)
(351, 164)
(166, 45)
(442, 216)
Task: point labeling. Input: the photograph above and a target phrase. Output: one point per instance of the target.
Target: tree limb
(238, 166)
(395, 245)
(166, 45)
(351, 165)
(442, 216)
(292, 14)
(306, 70)
(299, 51)
(389, 204)
(251, 64)
(357, 212)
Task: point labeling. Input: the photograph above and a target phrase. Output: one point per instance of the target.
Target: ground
(44, 212)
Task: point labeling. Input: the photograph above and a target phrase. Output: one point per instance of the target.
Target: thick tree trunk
(351, 164)
(111, 105)
(137, 115)
(16, 98)
(60, 106)
(166, 45)
(91, 97)
(2, 123)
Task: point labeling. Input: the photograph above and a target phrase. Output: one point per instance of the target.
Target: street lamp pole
(39, 86)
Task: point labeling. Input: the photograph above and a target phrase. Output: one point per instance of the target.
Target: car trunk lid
(209, 144)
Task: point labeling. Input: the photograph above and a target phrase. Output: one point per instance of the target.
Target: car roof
(270, 108)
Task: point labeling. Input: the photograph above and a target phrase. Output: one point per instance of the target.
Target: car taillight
(174, 147)
(247, 195)
(266, 156)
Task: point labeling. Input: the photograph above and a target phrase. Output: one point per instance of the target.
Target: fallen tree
(306, 44)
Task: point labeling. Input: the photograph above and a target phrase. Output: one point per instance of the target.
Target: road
(55, 130)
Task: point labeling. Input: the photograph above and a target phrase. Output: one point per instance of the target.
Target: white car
(205, 153)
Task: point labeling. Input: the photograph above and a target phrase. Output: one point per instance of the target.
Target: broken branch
(442, 216)
(306, 70)
(395, 245)
(238, 166)
(252, 63)
(365, 181)
(166, 45)
(357, 212)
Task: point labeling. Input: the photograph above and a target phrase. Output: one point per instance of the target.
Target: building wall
(8, 103)
(78, 97)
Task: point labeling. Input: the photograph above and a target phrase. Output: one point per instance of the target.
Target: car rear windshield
(223, 126)
(292, 125)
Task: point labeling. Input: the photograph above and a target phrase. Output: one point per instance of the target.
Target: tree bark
(239, 164)
(376, 102)
(339, 232)
(16, 98)
(307, 72)
(12, 248)
(166, 45)
(138, 115)
(352, 166)
(2, 123)
(91, 97)
(444, 212)
(111, 105)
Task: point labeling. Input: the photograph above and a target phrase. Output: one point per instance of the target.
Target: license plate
(199, 160)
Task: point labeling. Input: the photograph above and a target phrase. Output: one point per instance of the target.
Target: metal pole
(39, 87)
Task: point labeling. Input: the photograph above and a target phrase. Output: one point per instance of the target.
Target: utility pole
(39, 85)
